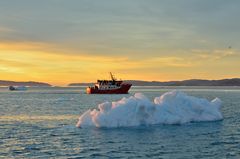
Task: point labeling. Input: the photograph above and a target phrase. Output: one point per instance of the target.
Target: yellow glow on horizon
(31, 62)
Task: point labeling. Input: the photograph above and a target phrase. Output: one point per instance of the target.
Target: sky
(68, 41)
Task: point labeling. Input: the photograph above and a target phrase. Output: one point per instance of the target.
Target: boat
(112, 86)
(17, 88)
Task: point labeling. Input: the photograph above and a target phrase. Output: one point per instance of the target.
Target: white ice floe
(173, 107)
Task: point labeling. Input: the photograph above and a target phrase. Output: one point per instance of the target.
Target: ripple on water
(36, 126)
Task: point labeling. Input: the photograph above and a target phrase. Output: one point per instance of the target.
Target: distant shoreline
(29, 83)
(191, 82)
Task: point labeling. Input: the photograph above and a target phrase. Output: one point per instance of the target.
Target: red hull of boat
(122, 90)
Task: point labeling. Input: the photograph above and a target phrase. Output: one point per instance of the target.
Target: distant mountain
(191, 82)
(30, 83)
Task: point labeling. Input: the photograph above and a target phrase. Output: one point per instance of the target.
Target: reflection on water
(27, 118)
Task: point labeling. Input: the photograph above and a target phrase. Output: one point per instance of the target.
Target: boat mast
(112, 77)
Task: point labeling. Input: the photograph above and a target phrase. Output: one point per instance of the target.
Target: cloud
(24, 45)
(216, 54)
(170, 61)
(4, 30)
(13, 63)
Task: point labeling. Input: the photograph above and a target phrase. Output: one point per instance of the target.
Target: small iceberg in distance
(173, 107)
(17, 88)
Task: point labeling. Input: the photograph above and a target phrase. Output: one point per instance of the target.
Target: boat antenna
(112, 77)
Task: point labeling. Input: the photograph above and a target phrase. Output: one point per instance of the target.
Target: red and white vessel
(112, 86)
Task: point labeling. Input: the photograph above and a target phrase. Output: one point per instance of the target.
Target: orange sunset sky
(61, 42)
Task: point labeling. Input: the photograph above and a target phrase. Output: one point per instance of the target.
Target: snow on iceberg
(173, 107)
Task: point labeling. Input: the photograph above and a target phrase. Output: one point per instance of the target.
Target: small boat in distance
(112, 86)
(17, 88)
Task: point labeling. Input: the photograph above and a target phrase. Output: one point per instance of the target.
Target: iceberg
(173, 107)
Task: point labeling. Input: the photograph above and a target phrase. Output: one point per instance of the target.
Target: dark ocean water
(40, 123)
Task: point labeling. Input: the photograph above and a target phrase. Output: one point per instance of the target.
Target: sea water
(41, 123)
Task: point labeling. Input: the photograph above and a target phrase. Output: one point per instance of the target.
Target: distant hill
(30, 83)
(191, 82)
